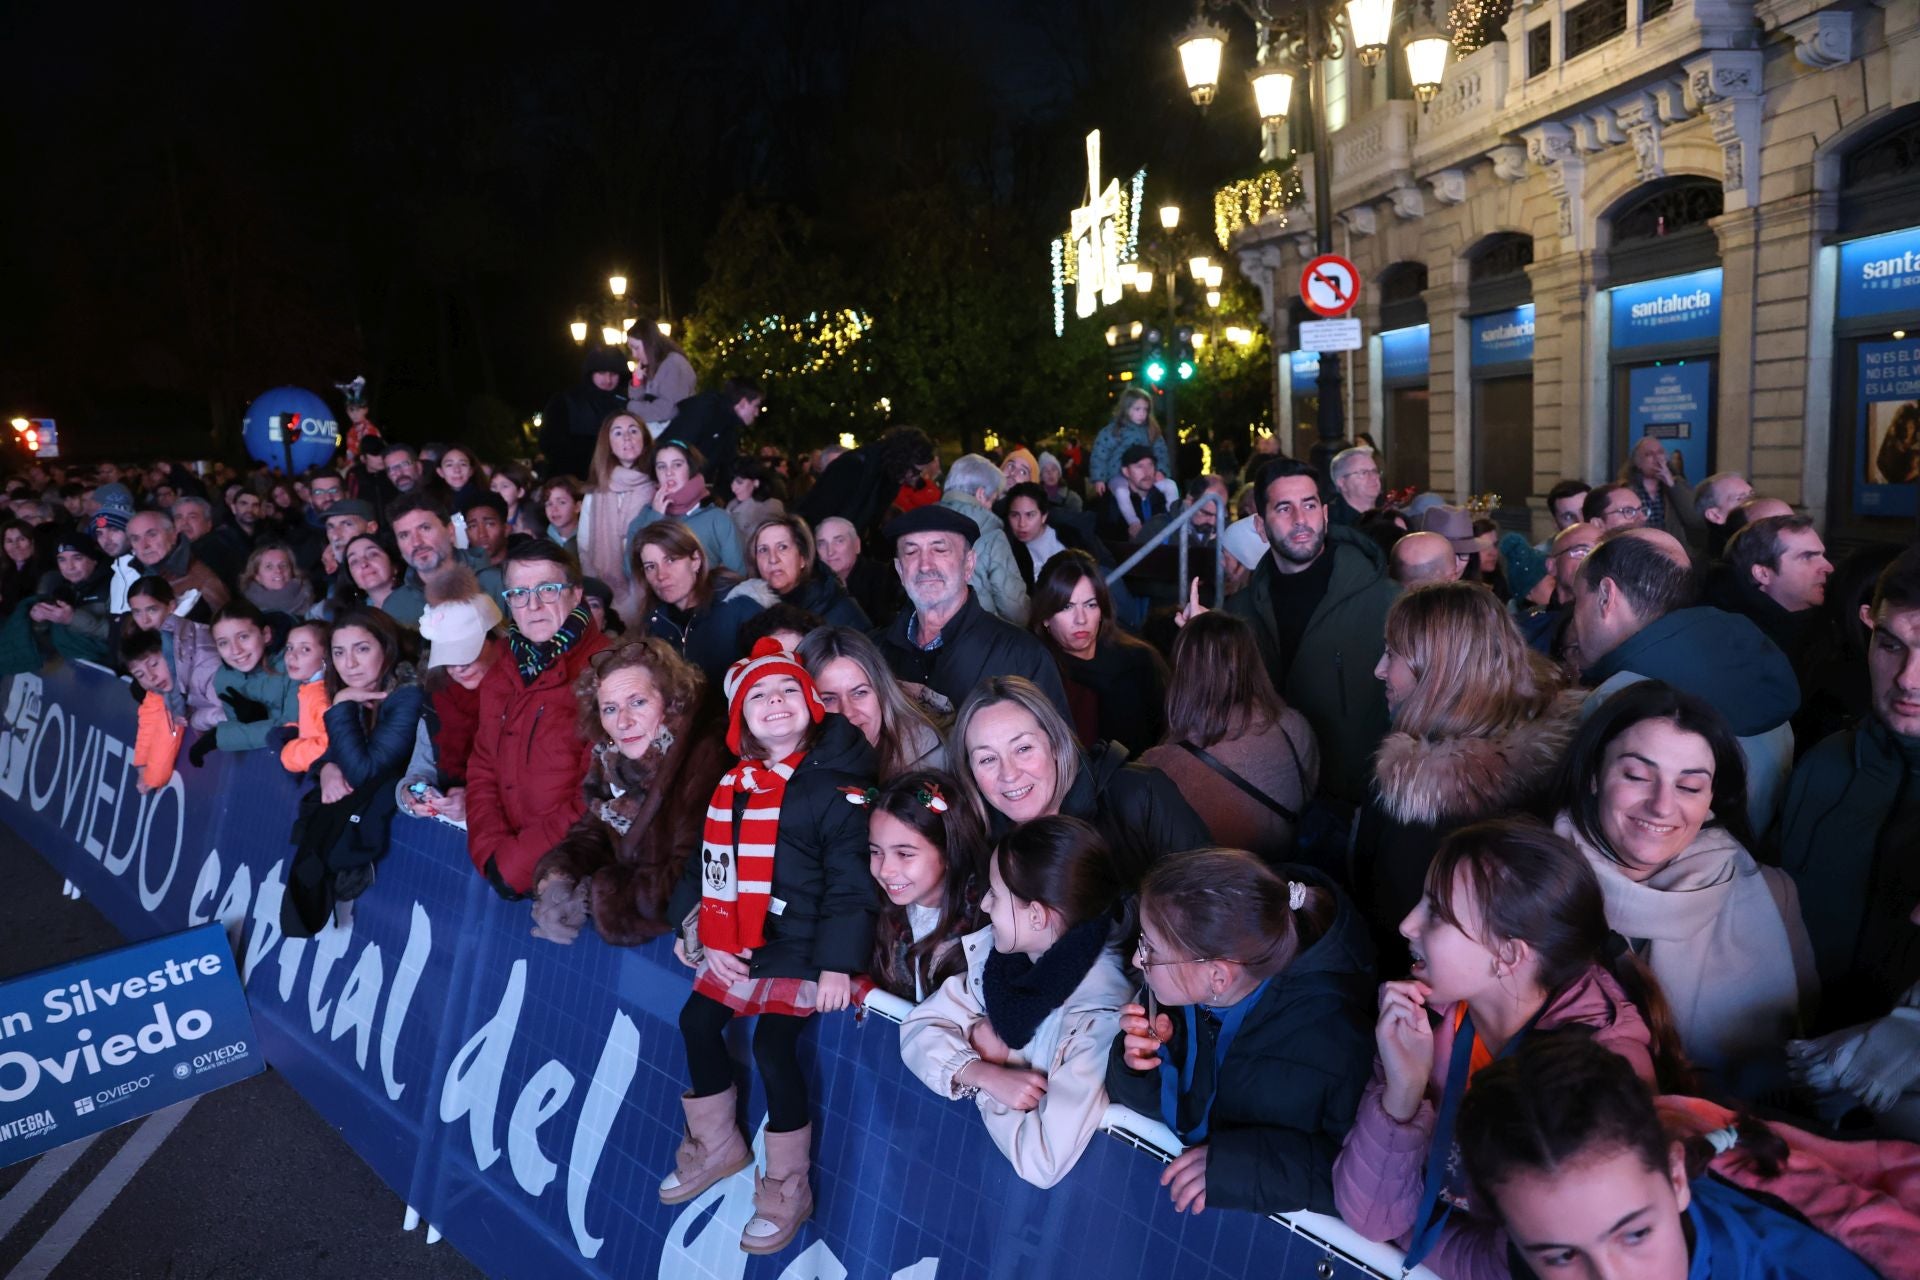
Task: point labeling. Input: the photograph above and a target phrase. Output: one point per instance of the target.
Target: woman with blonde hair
(1480, 722)
(620, 484)
(1016, 759)
(855, 681)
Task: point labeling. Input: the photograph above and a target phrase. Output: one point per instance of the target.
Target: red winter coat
(523, 777)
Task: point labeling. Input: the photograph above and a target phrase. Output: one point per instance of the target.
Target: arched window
(1402, 303)
(1497, 272)
(1880, 178)
(1665, 228)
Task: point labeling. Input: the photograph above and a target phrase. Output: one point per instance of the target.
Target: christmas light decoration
(790, 348)
(1266, 195)
(1478, 23)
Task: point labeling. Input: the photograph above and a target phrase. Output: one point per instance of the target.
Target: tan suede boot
(783, 1199)
(712, 1149)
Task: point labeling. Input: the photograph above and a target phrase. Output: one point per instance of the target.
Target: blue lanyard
(1429, 1223)
(1172, 1089)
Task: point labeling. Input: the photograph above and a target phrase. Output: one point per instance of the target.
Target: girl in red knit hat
(778, 910)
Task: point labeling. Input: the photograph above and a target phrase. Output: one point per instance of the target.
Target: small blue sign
(290, 416)
(1887, 439)
(1306, 372)
(1403, 354)
(1880, 275)
(96, 1043)
(1501, 337)
(1676, 309)
(1669, 402)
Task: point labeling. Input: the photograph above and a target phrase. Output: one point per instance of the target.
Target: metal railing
(1182, 525)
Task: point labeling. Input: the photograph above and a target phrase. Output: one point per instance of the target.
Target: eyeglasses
(546, 592)
(654, 568)
(1628, 513)
(1143, 957)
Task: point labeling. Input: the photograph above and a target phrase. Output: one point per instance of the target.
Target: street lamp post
(609, 315)
(1312, 33)
(1161, 260)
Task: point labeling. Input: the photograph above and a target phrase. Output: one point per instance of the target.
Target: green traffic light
(1185, 370)
(1156, 371)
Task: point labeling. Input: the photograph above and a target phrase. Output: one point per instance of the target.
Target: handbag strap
(1207, 758)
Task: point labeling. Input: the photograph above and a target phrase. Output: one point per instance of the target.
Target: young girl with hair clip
(1510, 938)
(924, 849)
(1260, 1070)
(1566, 1147)
(1025, 1029)
(779, 909)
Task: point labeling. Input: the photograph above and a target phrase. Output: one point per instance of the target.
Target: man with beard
(1318, 607)
(424, 535)
(944, 641)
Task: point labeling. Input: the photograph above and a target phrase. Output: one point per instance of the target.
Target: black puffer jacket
(1292, 1081)
(823, 596)
(819, 865)
(1135, 807)
(571, 424)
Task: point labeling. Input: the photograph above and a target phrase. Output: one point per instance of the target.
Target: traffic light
(1183, 364)
(1155, 368)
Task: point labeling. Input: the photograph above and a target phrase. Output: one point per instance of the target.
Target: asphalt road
(247, 1182)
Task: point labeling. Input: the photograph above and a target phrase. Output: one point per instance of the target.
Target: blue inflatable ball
(290, 414)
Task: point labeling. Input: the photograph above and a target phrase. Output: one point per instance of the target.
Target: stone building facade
(1698, 219)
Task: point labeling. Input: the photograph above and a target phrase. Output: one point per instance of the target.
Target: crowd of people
(1541, 905)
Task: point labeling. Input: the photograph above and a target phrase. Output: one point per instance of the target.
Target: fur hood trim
(1424, 781)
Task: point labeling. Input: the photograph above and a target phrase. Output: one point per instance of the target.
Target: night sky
(207, 200)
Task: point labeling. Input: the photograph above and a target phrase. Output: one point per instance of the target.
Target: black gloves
(280, 735)
(244, 709)
(202, 747)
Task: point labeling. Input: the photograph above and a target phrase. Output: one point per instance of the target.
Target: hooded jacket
(1285, 1097)
(1727, 661)
(195, 660)
(1137, 809)
(523, 777)
(825, 899)
(643, 822)
(996, 579)
(571, 424)
(1828, 840)
(973, 645)
(1069, 1047)
(1331, 681)
(1424, 789)
(1381, 1169)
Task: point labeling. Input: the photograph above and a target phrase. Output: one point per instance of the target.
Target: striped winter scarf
(736, 875)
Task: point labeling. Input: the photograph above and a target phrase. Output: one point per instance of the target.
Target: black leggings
(776, 1052)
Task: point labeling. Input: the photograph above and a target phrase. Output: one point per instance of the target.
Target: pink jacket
(1382, 1168)
(1866, 1195)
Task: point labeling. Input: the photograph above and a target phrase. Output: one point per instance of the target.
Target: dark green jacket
(1332, 681)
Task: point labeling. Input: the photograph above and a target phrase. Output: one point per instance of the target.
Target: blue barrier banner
(1403, 353)
(108, 1039)
(1880, 275)
(1887, 422)
(525, 1097)
(1501, 337)
(1675, 309)
(1670, 402)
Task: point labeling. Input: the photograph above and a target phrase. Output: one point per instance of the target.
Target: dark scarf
(533, 659)
(1021, 992)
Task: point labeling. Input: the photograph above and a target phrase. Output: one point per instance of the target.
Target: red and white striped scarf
(736, 876)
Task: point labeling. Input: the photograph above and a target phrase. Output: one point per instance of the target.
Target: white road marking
(39, 1180)
(93, 1200)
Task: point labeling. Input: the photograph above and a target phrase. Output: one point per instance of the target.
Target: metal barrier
(1182, 525)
